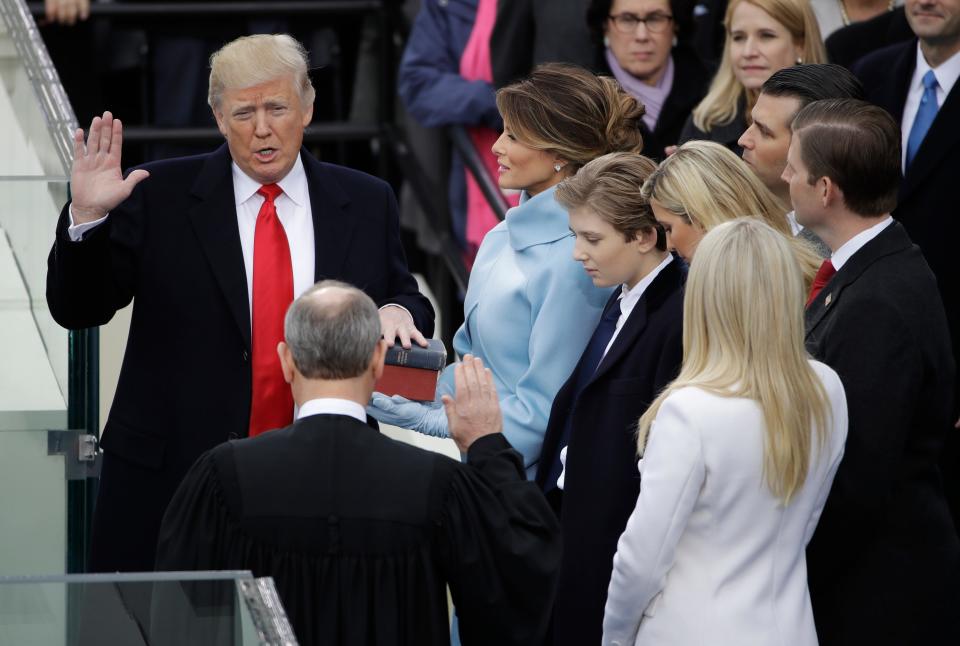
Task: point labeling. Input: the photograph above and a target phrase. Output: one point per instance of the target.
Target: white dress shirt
(854, 244)
(795, 227)
(946, 73)
(630, 297)
(333, 406)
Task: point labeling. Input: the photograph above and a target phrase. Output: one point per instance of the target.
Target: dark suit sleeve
(402, 286)
(671, 356)
(500, 547)
(89, 280)
(881, 369)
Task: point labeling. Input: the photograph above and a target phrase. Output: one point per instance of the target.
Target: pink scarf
(475, 66)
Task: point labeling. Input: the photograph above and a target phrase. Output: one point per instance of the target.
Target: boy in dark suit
(634, 352)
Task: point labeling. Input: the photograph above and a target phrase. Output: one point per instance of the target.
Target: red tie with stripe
(824, 274)
(272, 403)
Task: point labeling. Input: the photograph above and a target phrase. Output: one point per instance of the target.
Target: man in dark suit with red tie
(916, 82)
(212, 249)
(884, 560)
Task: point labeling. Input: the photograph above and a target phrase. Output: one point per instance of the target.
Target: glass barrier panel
(32, 506)
(159, 609)
(34, 351)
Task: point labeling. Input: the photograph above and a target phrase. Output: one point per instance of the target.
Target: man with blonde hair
(212, 249)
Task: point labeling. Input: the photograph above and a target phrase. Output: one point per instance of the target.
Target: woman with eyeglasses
(763, 37)
(643, 47)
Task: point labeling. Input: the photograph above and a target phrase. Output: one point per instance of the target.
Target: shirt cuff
(76, 231)
(387, 305)
(563, 468)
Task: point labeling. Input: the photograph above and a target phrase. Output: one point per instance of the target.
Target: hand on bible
(96, 182)
(396, 323)
(476, 410)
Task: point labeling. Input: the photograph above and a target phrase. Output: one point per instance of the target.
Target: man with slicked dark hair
(916, 82)
(766, 141)
(884, 561)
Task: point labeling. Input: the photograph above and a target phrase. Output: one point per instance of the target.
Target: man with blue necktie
(916, 82)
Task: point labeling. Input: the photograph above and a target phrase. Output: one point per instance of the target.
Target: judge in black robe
(361, 533)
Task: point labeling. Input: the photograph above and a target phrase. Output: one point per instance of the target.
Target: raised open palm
(96, 181)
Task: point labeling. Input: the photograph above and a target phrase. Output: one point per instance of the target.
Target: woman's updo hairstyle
(570, 112)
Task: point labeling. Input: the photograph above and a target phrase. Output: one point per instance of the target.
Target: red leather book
(413, 373)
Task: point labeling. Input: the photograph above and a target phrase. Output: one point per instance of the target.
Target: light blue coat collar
(537, 220)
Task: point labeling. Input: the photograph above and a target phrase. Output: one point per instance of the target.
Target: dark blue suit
(601, 482)
(173, 247)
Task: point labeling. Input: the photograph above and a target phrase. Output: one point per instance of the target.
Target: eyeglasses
(626, 23)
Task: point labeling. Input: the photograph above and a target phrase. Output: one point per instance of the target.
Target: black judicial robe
(362, 534)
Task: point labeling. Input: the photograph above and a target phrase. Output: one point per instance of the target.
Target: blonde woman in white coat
(738, 456)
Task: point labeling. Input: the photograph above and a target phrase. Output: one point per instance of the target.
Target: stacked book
(413, 372)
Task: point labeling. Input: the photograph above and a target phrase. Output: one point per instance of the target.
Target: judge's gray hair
(252, 60)
(332, 331)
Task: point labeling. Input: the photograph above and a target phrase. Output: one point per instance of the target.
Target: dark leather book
(413, 373)
(432, 357)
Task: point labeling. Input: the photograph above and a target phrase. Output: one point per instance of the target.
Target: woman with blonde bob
(703, 185)
(738, 455)
(763, 37)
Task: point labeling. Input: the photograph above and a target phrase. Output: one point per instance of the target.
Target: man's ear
(830, 193)
(376, 360)
(286, 362)
(645, 241)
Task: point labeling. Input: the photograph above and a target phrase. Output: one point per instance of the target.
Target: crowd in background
(727, 253)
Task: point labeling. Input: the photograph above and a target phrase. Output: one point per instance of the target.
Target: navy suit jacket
(601, 482)
(173, 247)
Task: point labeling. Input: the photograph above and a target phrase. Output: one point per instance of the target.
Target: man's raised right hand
(476, 410)
(96, 181)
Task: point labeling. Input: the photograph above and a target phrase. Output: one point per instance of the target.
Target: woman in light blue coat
(530, 309)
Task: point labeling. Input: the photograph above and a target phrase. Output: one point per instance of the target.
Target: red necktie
(272, 403)
(824, 274)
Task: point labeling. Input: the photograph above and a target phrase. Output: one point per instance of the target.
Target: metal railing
(51, 97)
(219, 9)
